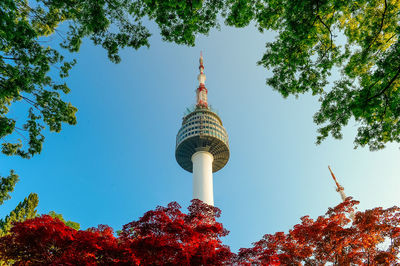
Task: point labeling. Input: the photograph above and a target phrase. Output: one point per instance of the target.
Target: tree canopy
(29, 65)
(166, 236)
(372, 238)
(71, 224)
(357, 41)
(24, 210)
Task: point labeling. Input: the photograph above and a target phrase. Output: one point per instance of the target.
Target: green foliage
(358, 39)
(24, 210)
(24, 67)
(26, 64)
(71, 224)
(7, 186)
(180, 21)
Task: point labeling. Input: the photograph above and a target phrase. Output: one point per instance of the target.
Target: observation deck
(202, 130)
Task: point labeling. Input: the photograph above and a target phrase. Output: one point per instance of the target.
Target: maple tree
(162, 236)
(46, 240)
(166, 236)
(373, 238)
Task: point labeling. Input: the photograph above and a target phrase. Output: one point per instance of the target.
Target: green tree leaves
(357, 39)
(180, 21)
(7, 186)
(24, 210)
(27, 65)
(71, 224)
(24, 76)
(316, 38)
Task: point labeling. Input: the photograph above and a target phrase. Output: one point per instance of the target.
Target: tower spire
(201, 92)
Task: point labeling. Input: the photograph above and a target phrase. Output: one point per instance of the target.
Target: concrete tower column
(203, 177)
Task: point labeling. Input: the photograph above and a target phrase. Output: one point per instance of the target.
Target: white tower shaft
(203, 177)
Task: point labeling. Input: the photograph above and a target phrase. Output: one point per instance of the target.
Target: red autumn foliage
(163, 236)
(166, 236)
(373, 238)
(45, 240)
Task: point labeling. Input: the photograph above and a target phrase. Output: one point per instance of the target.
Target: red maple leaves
(166, 236)
(45, 240)
(162, 236)
(372, 238)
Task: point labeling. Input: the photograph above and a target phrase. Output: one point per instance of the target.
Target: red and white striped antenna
(201, 92)
(340, 189)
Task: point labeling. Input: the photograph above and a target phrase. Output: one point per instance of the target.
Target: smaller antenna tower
(340, 189)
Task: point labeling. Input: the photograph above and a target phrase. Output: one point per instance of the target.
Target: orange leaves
(332, 238)
(45, 240)
(162, 236)
(168, 236)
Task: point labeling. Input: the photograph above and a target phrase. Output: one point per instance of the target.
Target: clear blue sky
(118, 161)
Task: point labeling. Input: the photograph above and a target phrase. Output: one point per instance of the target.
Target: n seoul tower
(202, 143)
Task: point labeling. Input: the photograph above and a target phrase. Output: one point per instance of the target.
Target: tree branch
(384, 111)
(380, 27)
(42, 20)
(10, 58)
(330, 32)
(31, 102)
(19, 133)
(21, 129)
(323, 23)
(6, 70)
(386, 87)
(380, 50)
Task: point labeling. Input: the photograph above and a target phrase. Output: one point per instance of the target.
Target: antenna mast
(340, 189)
